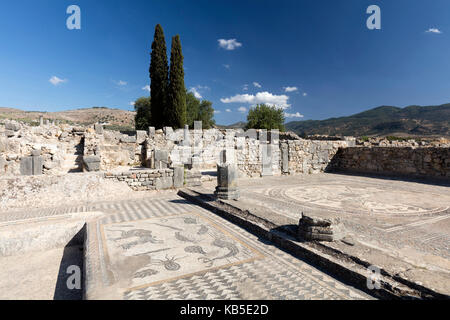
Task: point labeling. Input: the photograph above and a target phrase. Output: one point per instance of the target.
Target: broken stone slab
(91, 163)
(313, 228)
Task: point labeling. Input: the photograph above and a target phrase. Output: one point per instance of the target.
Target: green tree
(192, 109)
(159, 76)
(142, 106)
(265, 117)
(176, 107)
(206, 114)
(197, 110)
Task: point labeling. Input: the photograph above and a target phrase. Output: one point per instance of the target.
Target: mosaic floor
(170, 249)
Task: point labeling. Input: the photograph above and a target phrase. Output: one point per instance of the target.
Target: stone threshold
(282, 232)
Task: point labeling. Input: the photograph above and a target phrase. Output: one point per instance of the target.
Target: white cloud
(196, 93)
(216, 111)
(121, 83)
(242, 109)
(290, 89)
(228, 110)
(227, 66)
(146, 88)
(56, 81)
(305, 94)
(434, 30)
(265, 97)
(256, 84)
(132, 103)
(230, 44)
(293, 115)
(245, 87)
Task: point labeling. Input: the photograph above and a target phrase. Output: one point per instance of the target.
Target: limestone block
(128, 139)
(91, 163)
(227, 175)
(26, 166)
(320, 229)
(163, 183)
(141, 135)
(161, 159)
(38, 165)
(98, 128)
(178, 177)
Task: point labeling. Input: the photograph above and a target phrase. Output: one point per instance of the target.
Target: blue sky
(314, 58)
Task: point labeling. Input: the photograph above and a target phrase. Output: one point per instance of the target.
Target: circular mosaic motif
(355, 199)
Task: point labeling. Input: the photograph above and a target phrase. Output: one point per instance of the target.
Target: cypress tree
(176, 107)
(159, 77)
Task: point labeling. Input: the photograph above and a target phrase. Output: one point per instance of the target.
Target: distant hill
(382, 121)
(237, 125)
(116, 118)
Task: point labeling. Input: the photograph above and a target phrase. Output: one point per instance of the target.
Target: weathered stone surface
(151, 132)
(161, 159)
(98, 128)
(128, 139)
(227, 175)
(26, 166)
(320, 229)
(13, 126)
(163, 183)
(91, 163)
(178, 177)
(141, 135)
(38, 165)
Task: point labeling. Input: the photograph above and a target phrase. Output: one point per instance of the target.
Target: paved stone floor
(409, 219)
(167, 248)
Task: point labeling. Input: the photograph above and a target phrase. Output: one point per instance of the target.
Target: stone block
(178, 177)
(91, 163)
(151, 132)
(38, 165)
(128, 139)
(26, 166)
(141, 135)
(98, 128)
(161, 159)
(163, 183)
(12, 126)
(227, 175)
(313, 228)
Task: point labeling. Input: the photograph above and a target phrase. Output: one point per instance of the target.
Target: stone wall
(157, 179)
(412, 162)
(60, 147)
(309, 156)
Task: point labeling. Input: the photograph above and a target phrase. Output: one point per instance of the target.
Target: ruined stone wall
(60, 147)
(309, 156)
(413, 162)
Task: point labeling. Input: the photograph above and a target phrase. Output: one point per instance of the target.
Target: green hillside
(382, 121)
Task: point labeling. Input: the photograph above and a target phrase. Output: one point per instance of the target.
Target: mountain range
(382, 121)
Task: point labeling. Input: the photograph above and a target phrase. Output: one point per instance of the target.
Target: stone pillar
(47, 122)
(41, 121)
(227, 188)
(98, 128)
(284, 158)
(186, 136)
(266, 159)
(151, 132)
(178, 177)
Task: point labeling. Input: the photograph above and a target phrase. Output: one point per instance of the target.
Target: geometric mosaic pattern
(257, 270)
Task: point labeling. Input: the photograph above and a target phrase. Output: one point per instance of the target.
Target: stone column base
(225, 193)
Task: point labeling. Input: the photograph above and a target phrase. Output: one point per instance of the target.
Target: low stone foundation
(156, 179)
